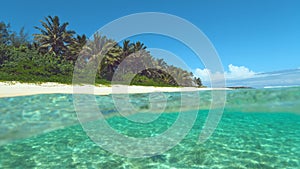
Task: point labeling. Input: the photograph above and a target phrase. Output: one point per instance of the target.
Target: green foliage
(23, 64)
(145, 81)
(4, 33)
(198, 81)
(4, 53)
(19, 39)
(54, 37)
(52, 56)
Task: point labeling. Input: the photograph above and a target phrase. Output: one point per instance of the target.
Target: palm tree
(112, 59)
(198, 82)
(54, 37)
(161, 64)
(4, 33)
(76, 47)
(127, 48)
(20, 39)
(139, 46)
(100, 48)
(137, 56)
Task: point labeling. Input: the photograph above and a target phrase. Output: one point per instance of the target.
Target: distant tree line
(54, 52)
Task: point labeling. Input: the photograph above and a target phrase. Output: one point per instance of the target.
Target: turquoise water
(259, 128)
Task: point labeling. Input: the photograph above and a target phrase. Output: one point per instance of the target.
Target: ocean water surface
(260, 128)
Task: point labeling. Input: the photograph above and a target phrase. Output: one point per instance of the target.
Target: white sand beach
(12, 89)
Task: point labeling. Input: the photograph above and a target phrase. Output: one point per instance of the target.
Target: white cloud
(238, 72)
(235, 73)
(203, 74)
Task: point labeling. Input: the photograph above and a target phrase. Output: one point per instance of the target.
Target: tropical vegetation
(53, 54)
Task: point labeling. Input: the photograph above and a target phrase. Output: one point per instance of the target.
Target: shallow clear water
(259, 129)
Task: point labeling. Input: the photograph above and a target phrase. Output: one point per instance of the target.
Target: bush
(27, 65)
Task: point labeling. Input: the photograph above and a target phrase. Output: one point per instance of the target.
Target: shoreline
(14, 89)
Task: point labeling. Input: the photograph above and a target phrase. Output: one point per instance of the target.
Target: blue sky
(251, 35)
